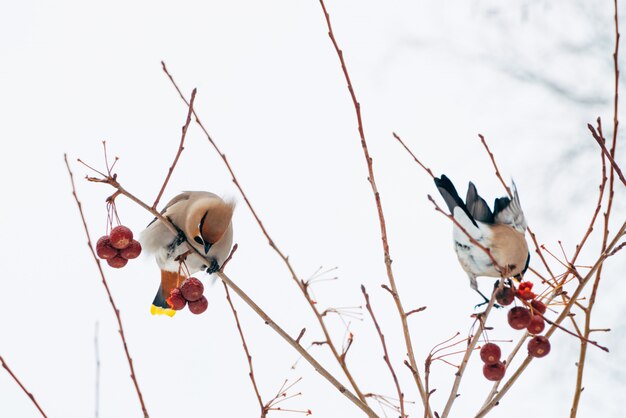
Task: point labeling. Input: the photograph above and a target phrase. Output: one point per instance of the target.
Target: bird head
(208, 220)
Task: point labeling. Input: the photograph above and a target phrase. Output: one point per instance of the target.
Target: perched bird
(501, 231)
(203, 220)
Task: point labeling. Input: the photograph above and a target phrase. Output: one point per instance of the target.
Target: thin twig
(386, 353)
(302, 285)
(508, 190)
(495, 166)
(611, 157)
(602, 187)
(508, 361)
(482, 320)
(420, 309)
(248, 356)
(381, 216)
(618, 248)
(413, 155)
(607, 154)
(243, 339)
(108, 291)
(181, 147)
(30, 395)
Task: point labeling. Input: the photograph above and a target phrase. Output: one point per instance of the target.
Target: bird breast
(509, 249)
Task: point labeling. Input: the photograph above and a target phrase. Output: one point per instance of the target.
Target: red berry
(198, 306)
(176, 300)
(537, 324)
(117, 262)
(524, 291)
(104, 249)
(132, 251)
(538, 306)
(539, 346)
(192, 289)
(490, 353)
(519, 317)
(121, 236)
(505, 296)
(494, 372)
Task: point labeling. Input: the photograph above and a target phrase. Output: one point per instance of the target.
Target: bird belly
(474, 260)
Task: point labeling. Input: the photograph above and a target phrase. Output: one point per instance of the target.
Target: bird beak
(207, 247)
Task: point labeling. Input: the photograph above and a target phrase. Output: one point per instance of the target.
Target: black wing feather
(451, 197)
(500, 204)
(477, 205)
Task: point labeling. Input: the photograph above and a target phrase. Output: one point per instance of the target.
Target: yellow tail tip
(157, 310)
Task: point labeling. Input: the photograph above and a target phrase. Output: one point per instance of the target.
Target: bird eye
(199, 240)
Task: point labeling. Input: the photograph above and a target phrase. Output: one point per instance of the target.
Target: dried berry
(490, 353)
(104, 249)
(537, 324)
(117, 262)
(494, 372)
(121, 237)
(132, 251)
(192, 289)
(538, 306)
(538, 346)
(519, 317)
(505, 296)
(198, 306)
(176, 300)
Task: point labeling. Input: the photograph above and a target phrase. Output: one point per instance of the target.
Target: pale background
(527, 74)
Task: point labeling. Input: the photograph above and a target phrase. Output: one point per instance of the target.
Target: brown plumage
(204, 222)
(501, 231)
(509, 248)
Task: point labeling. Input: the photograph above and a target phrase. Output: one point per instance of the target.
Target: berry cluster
(519, 317)
(190, 292)
(494, 368)
(118, 247)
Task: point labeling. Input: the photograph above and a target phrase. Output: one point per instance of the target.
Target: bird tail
(449, 193)
(451, 197)
(169, 280)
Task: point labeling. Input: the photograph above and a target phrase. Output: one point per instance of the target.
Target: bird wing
(478, 208)
(509, 212)
(469, 225)
(452, 198)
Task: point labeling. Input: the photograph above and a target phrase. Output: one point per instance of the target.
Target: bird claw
(495, 305)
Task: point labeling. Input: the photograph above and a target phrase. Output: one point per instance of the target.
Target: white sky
(529, 75)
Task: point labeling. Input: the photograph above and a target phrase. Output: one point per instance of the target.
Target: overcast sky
(529, 75)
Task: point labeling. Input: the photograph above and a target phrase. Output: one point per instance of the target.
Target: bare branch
(381, 216)
(30, 395)
(482, 320)
(386, 353)
(607, 153)
(413, 155)
(248, 356)
(303, 286)
(180, 150)
(106, 287)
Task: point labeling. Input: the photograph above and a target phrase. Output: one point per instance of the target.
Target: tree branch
(108, 291)
(381, 216)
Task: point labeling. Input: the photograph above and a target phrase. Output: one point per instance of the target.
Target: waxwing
(203, 220)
